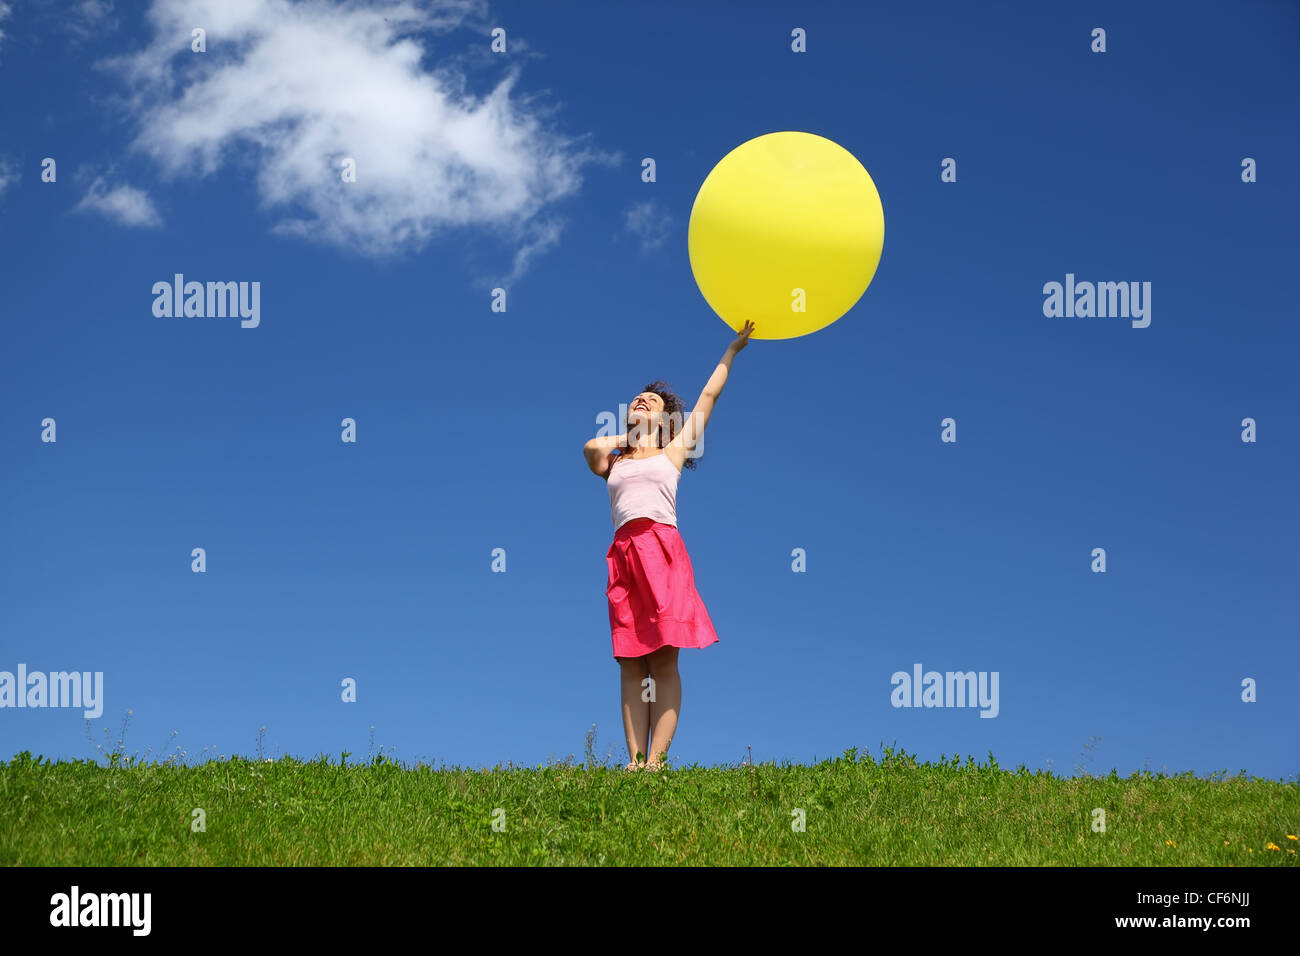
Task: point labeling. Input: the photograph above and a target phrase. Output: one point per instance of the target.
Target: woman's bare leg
(636, 712)
(666, 704)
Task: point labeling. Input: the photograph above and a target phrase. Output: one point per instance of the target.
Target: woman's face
(644, 413)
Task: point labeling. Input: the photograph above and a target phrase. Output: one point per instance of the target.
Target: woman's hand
(743, 338)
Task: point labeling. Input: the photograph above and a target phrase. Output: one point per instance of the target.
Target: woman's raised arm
(693, 427)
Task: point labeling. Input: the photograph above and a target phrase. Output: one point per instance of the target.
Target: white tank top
(643, 488)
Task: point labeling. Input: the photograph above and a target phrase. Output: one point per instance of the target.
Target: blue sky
(328, 560)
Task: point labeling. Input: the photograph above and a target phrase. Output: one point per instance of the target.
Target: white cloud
(650, 226)
(544, 235)
(8, 174)
(122, 204)
(288, 90)
(5, 11)
(79, 20)
(89, 17)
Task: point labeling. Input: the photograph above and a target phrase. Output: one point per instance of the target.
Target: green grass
(860, 810)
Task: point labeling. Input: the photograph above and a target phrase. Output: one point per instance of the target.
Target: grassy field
(857, 810)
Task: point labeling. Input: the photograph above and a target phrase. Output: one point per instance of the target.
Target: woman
(654, 609)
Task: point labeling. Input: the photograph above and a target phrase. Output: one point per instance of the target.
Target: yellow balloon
(787, 231)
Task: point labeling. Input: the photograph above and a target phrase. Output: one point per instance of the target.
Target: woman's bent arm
(597, 452)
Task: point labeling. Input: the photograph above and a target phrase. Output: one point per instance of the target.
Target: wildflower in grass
(1271, 846)
(1171, 843)
(1292, 836)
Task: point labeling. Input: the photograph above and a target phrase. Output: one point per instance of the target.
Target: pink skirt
(652, 598)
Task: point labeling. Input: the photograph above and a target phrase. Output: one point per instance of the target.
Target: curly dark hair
(675, 411)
